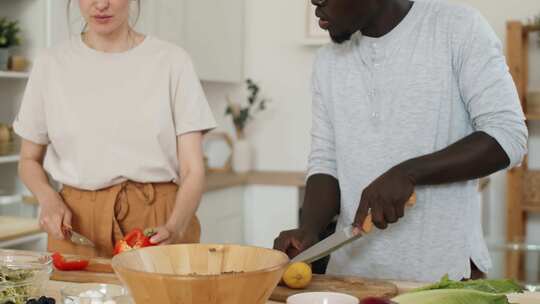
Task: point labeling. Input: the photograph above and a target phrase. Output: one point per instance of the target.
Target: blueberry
(32, 301)
(51, 301)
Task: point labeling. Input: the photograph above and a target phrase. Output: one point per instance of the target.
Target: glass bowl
(95, 294)
(23, 275)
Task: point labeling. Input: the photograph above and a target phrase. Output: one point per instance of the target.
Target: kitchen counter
(12, 228)
(52, 289)
(217, 181)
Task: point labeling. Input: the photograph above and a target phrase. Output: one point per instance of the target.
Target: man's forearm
(321, 204)
(475, 156)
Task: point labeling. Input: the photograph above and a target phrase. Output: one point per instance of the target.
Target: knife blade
(327, 246)
(79, 239)
(339, 239)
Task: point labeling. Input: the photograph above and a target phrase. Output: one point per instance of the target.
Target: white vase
(4, 57)
(242, 156)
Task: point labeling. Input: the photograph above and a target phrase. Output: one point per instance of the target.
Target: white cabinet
(251, 215)
(211, 31)
(214, 36)
(268, 210)
(221, 216)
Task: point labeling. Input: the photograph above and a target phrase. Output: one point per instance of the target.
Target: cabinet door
(214, 37)
(221, 216)
(162, 19)
(268, 210)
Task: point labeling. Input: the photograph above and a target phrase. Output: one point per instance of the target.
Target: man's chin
(340, 38)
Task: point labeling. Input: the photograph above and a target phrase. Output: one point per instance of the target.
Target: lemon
(297, 275)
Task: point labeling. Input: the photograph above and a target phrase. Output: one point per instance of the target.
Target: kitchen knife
(79, 239)
(339, 239)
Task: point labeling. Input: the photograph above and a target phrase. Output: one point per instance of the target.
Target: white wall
(276, 58)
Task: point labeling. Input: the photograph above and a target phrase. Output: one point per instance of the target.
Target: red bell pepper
(61, 263)
(134, 240)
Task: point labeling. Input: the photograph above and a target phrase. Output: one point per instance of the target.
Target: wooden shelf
(217, 181)
(532, 28)
(531, 208)
(532, 116)
(9, 159)
(14, 75)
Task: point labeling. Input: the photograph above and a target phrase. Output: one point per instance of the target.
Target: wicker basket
(531, 188)
(10, 147)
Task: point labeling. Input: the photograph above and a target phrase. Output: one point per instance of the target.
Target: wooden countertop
(217, 181)
(17, 227)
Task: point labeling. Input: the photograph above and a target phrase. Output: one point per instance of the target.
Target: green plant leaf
(491, 286)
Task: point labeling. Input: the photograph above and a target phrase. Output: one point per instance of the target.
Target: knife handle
(367, 226)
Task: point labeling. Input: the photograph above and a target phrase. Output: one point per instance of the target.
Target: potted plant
(242, 114)
(9, 37)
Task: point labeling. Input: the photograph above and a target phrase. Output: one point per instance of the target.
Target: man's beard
(341, 38)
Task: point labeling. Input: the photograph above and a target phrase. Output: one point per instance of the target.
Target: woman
(122, 116)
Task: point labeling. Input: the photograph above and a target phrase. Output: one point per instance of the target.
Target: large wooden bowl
(201, 274)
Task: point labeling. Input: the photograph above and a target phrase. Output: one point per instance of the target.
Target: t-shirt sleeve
(192, 112)
(31, 123)
(487, 88)
(322, 158)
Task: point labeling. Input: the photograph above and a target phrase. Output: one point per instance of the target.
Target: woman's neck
(118, 41)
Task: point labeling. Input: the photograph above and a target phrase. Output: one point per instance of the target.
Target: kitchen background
(230, 41)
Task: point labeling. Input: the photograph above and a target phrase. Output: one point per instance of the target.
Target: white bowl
(322, 298)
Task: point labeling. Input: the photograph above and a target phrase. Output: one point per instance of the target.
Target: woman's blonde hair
(68, 11)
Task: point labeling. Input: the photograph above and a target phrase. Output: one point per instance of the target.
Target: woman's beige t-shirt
(112, 117)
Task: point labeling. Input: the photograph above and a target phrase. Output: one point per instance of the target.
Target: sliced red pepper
(61, 263)
(121, 246)
(134, 240)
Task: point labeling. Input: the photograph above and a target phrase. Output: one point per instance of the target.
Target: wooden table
(52, 289)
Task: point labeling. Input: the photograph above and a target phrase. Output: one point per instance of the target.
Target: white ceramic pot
(4, 57)
(242, 156)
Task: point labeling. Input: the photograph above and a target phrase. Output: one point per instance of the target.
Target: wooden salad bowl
(201, 274)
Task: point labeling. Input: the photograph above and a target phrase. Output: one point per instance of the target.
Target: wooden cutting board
(98, 271)
(354, 286)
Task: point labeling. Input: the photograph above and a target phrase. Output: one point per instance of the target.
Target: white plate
(322, 298)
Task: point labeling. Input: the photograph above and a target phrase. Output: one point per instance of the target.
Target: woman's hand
(165, 235)
(55, 216)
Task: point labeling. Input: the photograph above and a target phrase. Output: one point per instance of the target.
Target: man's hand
(386, 198)
(293, 242)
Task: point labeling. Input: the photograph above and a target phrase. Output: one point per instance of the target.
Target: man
(410, 97)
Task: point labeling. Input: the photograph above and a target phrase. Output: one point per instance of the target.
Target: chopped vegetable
(134, 240)
(61, 263)
(491, 286)
(451, 296)
(12, 289)
(453, 292)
